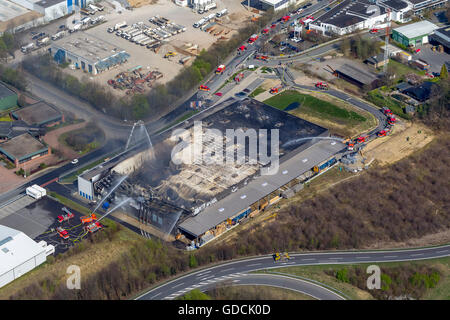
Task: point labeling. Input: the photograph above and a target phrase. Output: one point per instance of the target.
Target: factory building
(19, 254)
(263, 191)
(88, 53)
(8, 98)
(414, 34)
(24, 149)
(39, 114)
(11, 129)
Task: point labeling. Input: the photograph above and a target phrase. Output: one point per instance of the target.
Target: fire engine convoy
(253, 38)
(390, 121)
(204, 88)
(90, 223)
(65, 217)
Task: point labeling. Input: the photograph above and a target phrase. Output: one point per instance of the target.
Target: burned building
(182, 183)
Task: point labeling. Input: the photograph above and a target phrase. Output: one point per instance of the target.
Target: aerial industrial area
(224, 149)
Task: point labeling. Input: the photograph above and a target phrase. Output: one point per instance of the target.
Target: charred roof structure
(171, 189)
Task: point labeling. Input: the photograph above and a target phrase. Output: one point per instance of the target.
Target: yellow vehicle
(170, 54)
(276, 256)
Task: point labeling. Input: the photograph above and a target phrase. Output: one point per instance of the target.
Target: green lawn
(256, 92)
(315, 107)
(402, 69)
(380, 100)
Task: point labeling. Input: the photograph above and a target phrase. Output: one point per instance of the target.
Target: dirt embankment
(406, 138)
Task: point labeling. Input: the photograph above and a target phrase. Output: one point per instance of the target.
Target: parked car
(246, 90)
(219, 94)
(74, 161)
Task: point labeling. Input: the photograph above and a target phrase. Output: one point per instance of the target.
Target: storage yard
(163, 28)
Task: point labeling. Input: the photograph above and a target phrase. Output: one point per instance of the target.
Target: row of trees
(13, 77)
(403, 282)
(8, 44)
(359, 47)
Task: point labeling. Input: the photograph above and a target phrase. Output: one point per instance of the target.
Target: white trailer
(140, 41)
(43, 41)
(138, 38)
(120, 25)
(76, 27)
(210, 17)
(147, 41)
(36, 191)
(199, 23)
(85, 20)
(93, 7)
(135, 33)
(58, 35)
(221, 13)
(27, 48)
(210, 6)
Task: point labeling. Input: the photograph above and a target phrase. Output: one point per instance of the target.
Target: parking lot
(433, 58)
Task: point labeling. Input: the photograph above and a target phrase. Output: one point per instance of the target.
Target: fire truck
(374, 30)
(261, 57)
(322, 85)
(88, 219)
(275, 89)
(265, 31)
(93, 227)
(204, 88)
(62, 232)
(253, 38)
(391, 120)
(65, 217)
(387, 112)
(220, 69)
(383, 133)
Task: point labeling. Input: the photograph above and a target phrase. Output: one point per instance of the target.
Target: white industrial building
(19, 254)
(353, 15)
(277, 4)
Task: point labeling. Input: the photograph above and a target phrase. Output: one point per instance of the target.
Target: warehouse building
(39, 114)
(418, 6)
(261, 192)
(357, 76)
(414, 34)
(19, 254)
(88, 53)
(24, 149)
(442, 37)
(8, 98)
(377, 61)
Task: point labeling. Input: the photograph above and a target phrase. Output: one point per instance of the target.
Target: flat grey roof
(260, 187)
(22, 146)
(38, 113)
(359, 75)
(87, 46)
(48, 3)
(417, 29)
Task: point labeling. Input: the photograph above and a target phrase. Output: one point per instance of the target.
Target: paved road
(237, 269)
(272, 280)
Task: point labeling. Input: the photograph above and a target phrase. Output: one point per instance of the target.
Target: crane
(386, 40)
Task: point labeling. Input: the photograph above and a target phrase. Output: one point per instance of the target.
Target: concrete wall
(132, 164)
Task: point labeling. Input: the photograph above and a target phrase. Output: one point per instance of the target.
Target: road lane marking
(336, 258)
(417, 254)
(362, 257)
(203, 273)
(254, 264)
(156, 295)
(178, 285)
(228, 269)
(390, 256)
(442, 251)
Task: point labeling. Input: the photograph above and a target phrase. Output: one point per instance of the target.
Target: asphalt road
(236, 270)
(274, 280)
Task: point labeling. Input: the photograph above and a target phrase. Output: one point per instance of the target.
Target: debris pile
(135, 81)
